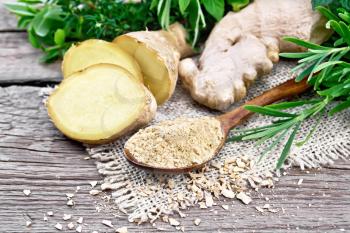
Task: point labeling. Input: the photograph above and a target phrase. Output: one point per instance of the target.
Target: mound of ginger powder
(178, 143)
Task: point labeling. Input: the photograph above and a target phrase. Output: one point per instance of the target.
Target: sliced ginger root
(158, 54)
(243, 45)
(100, 103)
(93, 51)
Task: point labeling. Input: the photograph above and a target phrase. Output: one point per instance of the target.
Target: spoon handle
(285, 90)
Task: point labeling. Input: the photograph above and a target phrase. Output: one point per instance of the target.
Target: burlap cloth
(329, 142)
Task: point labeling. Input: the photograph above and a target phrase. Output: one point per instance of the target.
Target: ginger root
(244, 45)
(158, 53)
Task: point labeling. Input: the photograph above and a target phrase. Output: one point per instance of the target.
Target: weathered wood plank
(8, 22)
(35, 156)
(19, 62)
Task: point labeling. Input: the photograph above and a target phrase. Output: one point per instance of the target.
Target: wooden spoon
(234, 118)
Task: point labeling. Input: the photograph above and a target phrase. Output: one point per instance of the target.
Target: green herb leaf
(267, 111)
(32, 39)
(237, 5)
(340, 107)
(292, 104)
(274, 144)
(215, 8)
(287, 147)
(60, 37)
(20, 9)
(183, 4)
(327, 13)
(303, 43)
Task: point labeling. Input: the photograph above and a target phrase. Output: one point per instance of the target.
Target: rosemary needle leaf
(272, 131)
(295, 55)
(307, 138)
(287, 147)
(340, 107)
(327, 13)
(291, 104)
(268, 111)
(303, 43)
(327, 70)
(274, 144)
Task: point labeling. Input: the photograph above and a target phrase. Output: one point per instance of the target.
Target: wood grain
(35, 156)
(8, 21)
(19, 62)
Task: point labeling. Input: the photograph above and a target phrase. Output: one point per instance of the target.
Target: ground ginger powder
(179, 143)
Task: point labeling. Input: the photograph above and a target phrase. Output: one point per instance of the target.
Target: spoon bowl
(230, 120)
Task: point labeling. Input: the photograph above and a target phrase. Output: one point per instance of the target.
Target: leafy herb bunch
(327, 70)
(197, 15)
(53, 25)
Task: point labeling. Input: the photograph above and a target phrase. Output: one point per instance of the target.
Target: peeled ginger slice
(99, 104)
(91, 52)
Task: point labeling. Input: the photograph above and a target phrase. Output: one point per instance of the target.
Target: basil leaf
(237, 5)
(183, 4)
(47, 19)
(32, 39)
(215, 8)
(316, 3)
(20, 9)
(59, 37)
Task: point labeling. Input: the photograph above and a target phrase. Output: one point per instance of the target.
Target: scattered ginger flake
(208, 200)
(107, 223)
(174, 222)
(27, 192)
(79, 229)
(70, 225)
(58, 226)
(300, 181)
(80, 220)
(244, 198)
(67, 217)
(197, 221)
(70, 202)
(94, 192)
(225, 207)
(228, 193)
(93, 184)
(122, 230)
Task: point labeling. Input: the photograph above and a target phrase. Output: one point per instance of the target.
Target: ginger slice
(90, 52)
(158, 54)
(99, 104)
(242, 46)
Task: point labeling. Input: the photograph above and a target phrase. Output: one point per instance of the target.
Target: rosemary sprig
(327, 70)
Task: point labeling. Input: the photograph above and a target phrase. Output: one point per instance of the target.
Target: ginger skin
(158, 53)
(244, 46)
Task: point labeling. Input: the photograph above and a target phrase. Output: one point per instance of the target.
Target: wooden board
(35, 156)
(8, 22)
(19, 62)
